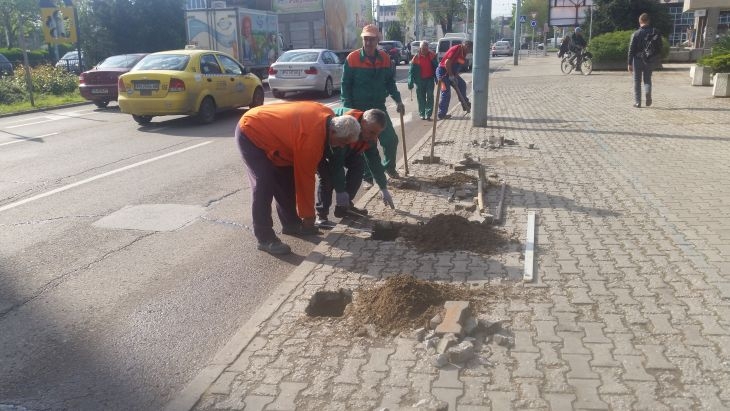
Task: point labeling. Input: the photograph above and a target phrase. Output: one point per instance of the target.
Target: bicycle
(567, 65)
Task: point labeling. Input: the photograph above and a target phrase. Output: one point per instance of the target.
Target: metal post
(415, 21)
(516, 46)
(480, 62)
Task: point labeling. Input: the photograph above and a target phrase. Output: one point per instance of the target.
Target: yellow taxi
(192, 82)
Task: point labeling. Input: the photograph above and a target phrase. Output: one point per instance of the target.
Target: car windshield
(298, 57)
(71, 55)
(163, 62)
(124, 61)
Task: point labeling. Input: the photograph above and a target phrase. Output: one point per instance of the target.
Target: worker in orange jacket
(282, 145)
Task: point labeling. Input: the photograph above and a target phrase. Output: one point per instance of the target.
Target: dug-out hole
(386, 230)
(329, 303)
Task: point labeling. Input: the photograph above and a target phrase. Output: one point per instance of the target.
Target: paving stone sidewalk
(631, 306)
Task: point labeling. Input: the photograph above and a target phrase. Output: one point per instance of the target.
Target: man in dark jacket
(367, 79)
(577, 45)
(641, 69)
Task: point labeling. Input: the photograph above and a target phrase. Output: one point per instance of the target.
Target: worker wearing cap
(367, 80)
(282, 144)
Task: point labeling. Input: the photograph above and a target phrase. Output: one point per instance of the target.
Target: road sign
(533, 23)
(523, 19)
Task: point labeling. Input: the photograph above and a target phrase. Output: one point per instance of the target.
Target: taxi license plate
(99, 91)
(146, 85)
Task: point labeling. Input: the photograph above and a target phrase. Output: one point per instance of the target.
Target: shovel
(464, 104)
(403, 136)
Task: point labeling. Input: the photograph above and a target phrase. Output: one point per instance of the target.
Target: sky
(499, 7)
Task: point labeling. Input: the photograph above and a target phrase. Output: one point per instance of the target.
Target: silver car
(306, 70)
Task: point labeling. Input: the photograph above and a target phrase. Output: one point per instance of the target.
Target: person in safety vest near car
(367, 79)
(422, 74)
(281, 145)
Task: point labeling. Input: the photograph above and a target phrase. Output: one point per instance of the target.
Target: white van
(445, 44)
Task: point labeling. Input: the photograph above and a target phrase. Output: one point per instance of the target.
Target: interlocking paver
(632, 252)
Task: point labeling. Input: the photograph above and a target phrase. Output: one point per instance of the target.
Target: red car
(99, 84)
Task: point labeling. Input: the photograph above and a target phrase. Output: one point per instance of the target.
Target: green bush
(10, 92)
(612, 47)
(46, 80)
(722, 46)
(718, 63)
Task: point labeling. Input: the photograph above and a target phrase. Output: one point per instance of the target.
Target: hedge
(612, 47)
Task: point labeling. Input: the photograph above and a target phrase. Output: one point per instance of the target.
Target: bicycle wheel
(586, 66)
(566, 66)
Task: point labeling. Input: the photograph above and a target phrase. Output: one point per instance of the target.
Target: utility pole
(480, 64)
(516, 45)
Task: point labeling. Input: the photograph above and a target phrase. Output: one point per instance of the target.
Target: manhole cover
(329, 303)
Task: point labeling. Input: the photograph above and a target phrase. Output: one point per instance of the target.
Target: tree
(131, 26)
(616, 15)
(11, 12)
(394, 32)
(445, 12)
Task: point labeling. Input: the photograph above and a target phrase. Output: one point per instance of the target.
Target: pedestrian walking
(641, 65)
(342, 169)
(367, 79)
(448, 71)
(422, 74)
(281, 145)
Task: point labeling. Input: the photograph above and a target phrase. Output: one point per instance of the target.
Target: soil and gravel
(449, 232)
(404, 302)
(454, 179)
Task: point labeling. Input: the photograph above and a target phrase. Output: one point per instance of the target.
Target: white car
(306, 70)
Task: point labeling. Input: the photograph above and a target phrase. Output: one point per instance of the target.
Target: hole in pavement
(329, 303)
(386, 230)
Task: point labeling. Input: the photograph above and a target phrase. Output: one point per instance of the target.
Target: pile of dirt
(404, 302)
(448, 232)
(454, 179)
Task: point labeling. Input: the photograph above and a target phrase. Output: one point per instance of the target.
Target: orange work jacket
(292, 135)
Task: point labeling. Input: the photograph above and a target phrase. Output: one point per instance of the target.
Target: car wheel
(101, 104)
(258, 98)
(328, 89)
(142, 120)
(206, 112)
(278, 94)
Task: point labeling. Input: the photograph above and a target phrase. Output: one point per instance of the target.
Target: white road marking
(24, 139)
(49, 118)
(90, 179)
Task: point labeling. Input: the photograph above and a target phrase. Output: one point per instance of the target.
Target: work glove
(401, 108)
(342, 199)
(387, 198)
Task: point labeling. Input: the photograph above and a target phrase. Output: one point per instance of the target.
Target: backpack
(652, 47)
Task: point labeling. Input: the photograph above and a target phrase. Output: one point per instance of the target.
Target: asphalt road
(126, 261)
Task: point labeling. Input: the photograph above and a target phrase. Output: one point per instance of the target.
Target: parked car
(502, 48)
(445, 43)
(306, 69)
(6, 67)
(192, 82)
(70, 62)
(99, 84)
(397, 52)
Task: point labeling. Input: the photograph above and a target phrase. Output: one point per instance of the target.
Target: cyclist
(577, 46)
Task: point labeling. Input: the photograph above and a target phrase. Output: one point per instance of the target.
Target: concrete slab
(151, 217)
